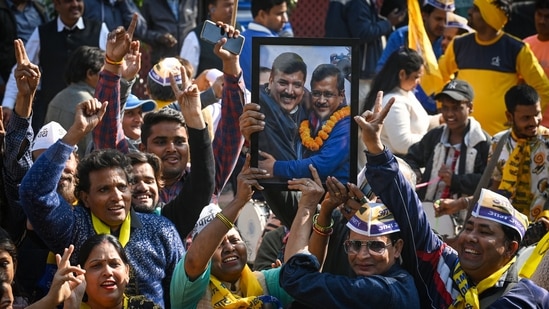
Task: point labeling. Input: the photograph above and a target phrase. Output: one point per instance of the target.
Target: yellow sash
(516, 175)
(102, 228)
(535, 258)
(223, 298)
(468, 297)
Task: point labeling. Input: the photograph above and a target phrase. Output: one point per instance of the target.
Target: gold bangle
(225, 220)
(110, 61)
(320, 228)
(325, 233)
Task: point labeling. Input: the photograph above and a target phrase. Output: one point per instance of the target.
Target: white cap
(47, 136)
(206, 215)
(213, 74)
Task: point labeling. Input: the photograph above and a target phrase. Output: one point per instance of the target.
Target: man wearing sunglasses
(373, 250)
(480, 272)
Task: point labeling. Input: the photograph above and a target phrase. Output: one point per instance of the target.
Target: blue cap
(135, 102)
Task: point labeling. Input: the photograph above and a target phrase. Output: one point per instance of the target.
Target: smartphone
(212, 33)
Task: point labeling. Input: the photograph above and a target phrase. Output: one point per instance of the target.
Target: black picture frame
(314, 51)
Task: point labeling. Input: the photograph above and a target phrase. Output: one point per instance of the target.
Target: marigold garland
(315, 143)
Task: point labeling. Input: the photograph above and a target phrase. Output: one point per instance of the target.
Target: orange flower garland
(314, 144)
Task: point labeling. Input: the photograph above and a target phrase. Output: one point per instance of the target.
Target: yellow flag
(431, 82)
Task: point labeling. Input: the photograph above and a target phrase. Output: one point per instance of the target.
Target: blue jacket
(432, 263)
(301, 278)
(253, 30)
(359, 19)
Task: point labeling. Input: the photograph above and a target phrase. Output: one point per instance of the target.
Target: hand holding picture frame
(308, 91)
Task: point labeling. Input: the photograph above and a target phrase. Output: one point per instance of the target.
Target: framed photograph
(308, 92)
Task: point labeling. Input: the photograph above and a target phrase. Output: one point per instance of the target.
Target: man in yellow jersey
(492, 61)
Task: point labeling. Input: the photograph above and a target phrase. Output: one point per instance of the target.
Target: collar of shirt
(79, 24)
(260, 28)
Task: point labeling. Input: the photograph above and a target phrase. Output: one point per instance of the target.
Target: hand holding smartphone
(212, 33)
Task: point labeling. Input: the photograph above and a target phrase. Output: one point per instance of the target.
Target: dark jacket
(160, 20)
(8, 33)
(474, 149)
(359, 19)
(301, 278)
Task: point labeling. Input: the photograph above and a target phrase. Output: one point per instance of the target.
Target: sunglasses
(375, 247)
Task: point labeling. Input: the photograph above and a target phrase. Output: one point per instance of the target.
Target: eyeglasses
(326, 94)
(375, 247)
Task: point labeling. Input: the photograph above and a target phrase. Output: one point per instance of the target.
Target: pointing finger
(133, 25)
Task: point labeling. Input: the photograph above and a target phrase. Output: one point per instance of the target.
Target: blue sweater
(301, 278)
(154, 247)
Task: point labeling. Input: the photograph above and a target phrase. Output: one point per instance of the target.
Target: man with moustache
(281, 103)
(307, 139)
(324, 136)
(481, 271)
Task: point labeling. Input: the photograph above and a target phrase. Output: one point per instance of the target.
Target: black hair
(521, 94)
(388, 77)
(264, 5)
(94, 241)
(542, 4)
(165, 114)
(427, 8)
(138, 157)
(81, 60)
(98, 160)
(289, 63)
(324, 70)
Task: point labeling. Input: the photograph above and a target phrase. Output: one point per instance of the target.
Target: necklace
(315, 143)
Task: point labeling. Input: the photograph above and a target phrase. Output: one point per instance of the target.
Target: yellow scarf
(102, 228)
(533, 261)
(223, 298)
(516, 175)
(468, 297)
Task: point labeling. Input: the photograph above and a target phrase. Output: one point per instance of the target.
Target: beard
(66, 188)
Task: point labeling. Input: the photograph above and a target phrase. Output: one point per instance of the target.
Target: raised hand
(68, 283)
(189, 100)
(247, 180)
(132, 61)
(371, 122)
(251, 120)
(337, 193)
(119, 41)
(87, 116)
(311, 189)
(27, 75)
(230, 61)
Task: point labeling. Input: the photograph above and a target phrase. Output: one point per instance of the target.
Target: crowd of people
(109, 200)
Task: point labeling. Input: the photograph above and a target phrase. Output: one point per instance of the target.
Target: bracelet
(225, 220)
(324, 233)
(110, 61)
(320, 228)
